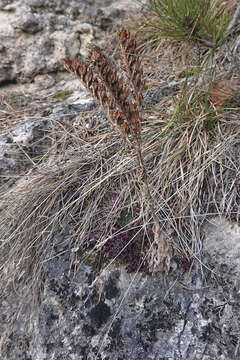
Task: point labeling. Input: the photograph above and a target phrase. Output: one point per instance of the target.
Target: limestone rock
(35, 35)
(122, 316)
(23, 146)
(28, 23)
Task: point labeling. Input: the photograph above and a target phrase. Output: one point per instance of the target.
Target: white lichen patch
(223, 239)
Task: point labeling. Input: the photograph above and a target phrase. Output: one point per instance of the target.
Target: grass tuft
(205, 21)
(137, 188)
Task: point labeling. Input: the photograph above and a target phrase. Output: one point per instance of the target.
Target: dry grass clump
(198, 141)
(39, 206)
(224, 91)
(137, 194)
(230, 4)
(122, 105)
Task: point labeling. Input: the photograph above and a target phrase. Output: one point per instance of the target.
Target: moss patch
(62, 95)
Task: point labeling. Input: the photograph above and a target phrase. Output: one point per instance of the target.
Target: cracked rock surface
(35, 35)
(123, 316)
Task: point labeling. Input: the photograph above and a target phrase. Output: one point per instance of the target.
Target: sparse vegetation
(205, 21)
(62, 95)
(150, 179)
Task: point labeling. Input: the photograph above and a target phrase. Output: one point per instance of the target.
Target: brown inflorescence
(121, 103)
(131, 63)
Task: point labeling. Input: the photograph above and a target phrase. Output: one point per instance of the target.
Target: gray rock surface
(120, 316)
(35, 35)
(22, 148)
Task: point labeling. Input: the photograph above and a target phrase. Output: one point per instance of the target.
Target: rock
(18, 150)
(7, 5)
(121, 316)
(64, 43)
(86, 35)
(28, 23)
(223, 241)
(22, 147)
(35, 35)
(36, 4)
(44, 81)
(102, 21)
